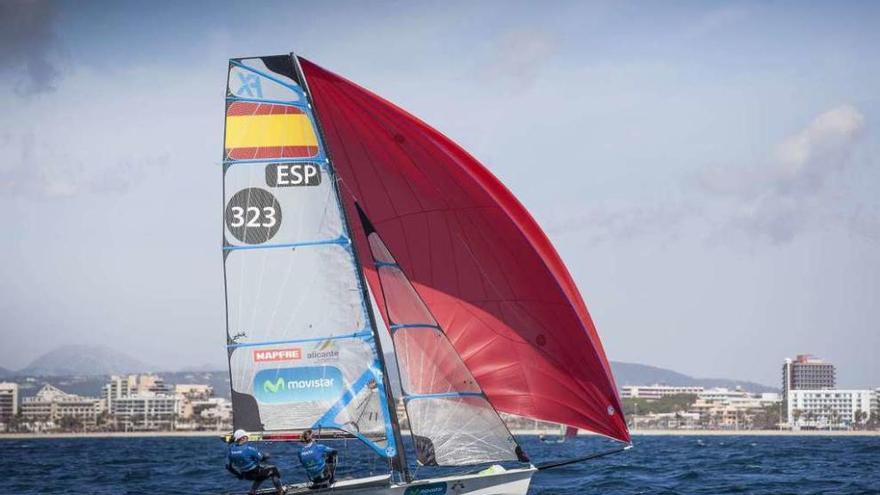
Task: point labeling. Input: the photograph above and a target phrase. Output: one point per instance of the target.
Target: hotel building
(807, 372)
(8, 401)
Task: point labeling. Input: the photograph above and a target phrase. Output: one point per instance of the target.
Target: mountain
(640, 374)
(83, 360)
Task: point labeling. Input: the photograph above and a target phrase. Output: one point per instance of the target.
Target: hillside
(640, 374)
(82, 360)
(101, 361)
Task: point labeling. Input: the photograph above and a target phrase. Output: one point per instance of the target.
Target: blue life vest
(314, 458)
(243, 457)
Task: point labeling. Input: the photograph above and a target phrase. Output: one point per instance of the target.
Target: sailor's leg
(331, 467)
(276, 479)
(256, 485)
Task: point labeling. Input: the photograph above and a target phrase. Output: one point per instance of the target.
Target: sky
(708, 171)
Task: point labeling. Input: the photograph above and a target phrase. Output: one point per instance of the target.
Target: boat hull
(511, 482)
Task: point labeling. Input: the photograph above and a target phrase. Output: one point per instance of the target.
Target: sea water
(657, 465)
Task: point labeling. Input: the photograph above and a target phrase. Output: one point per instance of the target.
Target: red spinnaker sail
(476, 257)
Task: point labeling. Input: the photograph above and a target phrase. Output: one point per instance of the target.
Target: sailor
(319, 461)
(246, 463)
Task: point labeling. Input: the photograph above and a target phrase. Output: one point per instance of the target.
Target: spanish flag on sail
(266, 131)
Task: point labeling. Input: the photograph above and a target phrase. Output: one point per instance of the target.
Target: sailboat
(565, 433)
(356, 240)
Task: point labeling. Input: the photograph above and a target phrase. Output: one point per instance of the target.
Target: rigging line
(435, 369)
(289, 103)
(566, 462)
(261, 279)
(350, 115)
(290, 265)
(289, 270)
(296, 88)
(385, 390)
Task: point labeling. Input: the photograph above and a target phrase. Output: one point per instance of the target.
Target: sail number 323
(253, 215)
(256, 216)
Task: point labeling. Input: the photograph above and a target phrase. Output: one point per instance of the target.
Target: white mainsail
(302, 351)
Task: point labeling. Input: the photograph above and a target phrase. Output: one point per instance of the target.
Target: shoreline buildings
(698, 408)
(127, 403)
(52, 407)
(656, 391)
(812, 401)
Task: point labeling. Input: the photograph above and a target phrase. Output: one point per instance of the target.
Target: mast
(399, 462)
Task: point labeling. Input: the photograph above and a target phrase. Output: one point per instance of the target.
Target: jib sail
(302, 349)
(451, 421)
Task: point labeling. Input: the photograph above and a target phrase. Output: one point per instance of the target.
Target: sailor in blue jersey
(245, 462)
(319, 461)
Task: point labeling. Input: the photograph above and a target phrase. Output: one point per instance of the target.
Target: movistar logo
(300, 384)
(271, 388)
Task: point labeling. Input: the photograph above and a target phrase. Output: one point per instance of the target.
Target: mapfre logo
(289, 354)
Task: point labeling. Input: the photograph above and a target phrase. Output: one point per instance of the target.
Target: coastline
(635, 433)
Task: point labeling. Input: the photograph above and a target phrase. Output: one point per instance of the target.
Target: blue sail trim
(319, 159)
(341, 241)
(445, 395)
(380, 264)
(289, 103)
(328, 419)
(295, 88)
(357, 335)
(403, 326)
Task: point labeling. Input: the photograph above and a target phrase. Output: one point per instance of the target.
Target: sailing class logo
(253, 215)
(288, 354)
(326, 350)
(305, 384)
(293, 174)
(250, 85)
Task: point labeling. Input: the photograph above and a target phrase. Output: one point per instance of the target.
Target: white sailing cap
(239, 434)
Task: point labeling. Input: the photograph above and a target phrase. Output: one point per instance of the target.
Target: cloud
(519, 56)
(29, 44)
(43, 172)
(782, 196)
(69, 143)
(621, 221)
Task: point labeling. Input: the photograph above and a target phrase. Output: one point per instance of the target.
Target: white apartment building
(8, 401)
(828, 408)
(655, 391)
(51, 404)
(145, 411)
(141, 402)
(124, 386)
